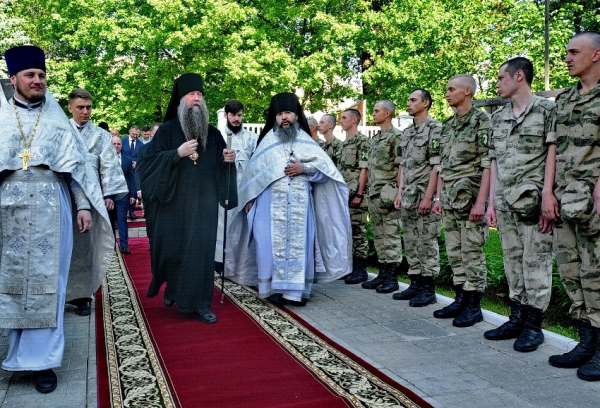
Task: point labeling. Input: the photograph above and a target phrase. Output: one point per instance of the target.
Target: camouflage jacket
(332, 148)
(519, 147)
(384, 157)
(577, 137)
(420, 152)
(352, 157)
(464, 155)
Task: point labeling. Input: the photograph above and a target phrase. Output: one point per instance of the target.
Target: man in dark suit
(123, 203)
(131, 147)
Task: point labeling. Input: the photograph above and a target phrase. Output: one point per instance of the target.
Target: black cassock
(185, 199)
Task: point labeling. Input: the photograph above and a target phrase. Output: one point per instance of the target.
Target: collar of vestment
(28, 106)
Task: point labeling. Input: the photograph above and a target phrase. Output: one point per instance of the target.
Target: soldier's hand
(398, 201)
(84, 220)
(110, 204)
(355, 202)
(437, 208)
(545, 224)
(490, 217)
(229, 155)
(477, 212)
(248, 207)
(550, 208)
(294, 169)
(187, 148)
(425, 206)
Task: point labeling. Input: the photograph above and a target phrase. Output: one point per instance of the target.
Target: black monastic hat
(24, 57)
(283, 102)
(183, 85)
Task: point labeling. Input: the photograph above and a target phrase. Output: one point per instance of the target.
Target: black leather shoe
(301, 303)
(276, 299)
(124, 250)
(45, 381)
(206, 316)
(84, 309)
(133, 216)
(168, 302)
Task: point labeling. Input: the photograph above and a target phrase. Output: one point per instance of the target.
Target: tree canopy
(127, 53)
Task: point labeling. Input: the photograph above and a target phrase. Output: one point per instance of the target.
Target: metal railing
(368, 131)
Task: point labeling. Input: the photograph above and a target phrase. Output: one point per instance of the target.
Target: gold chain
(27, 142)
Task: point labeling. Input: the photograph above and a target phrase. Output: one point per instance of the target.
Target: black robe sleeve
(158, 170)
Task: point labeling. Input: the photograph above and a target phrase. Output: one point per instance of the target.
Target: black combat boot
(471, 313)
(359, 272)
(532, 335)
(391, 283)
(511, 329)
(427, 294)
(582, 353)
(453, 309)
(412, 291)
(379, 279)
(591, 370)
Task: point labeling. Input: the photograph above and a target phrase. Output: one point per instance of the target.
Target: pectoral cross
(26, 156)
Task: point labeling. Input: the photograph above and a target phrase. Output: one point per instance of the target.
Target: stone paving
(447, 366)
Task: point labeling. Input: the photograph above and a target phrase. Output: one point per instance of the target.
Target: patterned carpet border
(135, 376)
(341, 373)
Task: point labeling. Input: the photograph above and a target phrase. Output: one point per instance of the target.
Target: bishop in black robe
(185, 195)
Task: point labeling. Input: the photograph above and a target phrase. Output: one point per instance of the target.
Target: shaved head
(594, 38)
(388, 106)
(466, 81)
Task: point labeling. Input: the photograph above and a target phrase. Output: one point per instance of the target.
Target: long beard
(194, 121)
(234, 129)
(288, 134)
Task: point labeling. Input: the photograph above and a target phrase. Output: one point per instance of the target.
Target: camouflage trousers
(527, 260)
(421, 234)
(578, 259)
(386, 232)
(360, 242)
(464, 246)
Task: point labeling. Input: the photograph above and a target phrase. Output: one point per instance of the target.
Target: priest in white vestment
(292, 228)
(42, 165)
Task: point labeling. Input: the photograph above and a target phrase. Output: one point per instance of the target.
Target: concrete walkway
(447, 366)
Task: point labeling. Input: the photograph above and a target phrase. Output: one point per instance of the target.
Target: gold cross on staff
(26, 156)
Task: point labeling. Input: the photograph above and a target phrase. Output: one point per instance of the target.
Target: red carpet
(233, 363)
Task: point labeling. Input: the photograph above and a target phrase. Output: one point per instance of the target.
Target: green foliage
(128, 52)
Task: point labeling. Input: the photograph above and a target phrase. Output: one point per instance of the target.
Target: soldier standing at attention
(314, 132)
(518, 151)
(352, 163)
(384, 158)
(577, 189)
(463, 185)
(332, 144)
(417, 187)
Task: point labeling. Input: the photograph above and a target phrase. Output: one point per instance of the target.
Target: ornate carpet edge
(135, 375)
(342, 374)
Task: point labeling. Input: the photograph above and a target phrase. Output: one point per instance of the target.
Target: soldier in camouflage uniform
(463, 184)
(332, 144)
(314, 133)
(384, 158)
(577, 201)
(352, 163)
(518, 152)
(420, 158)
